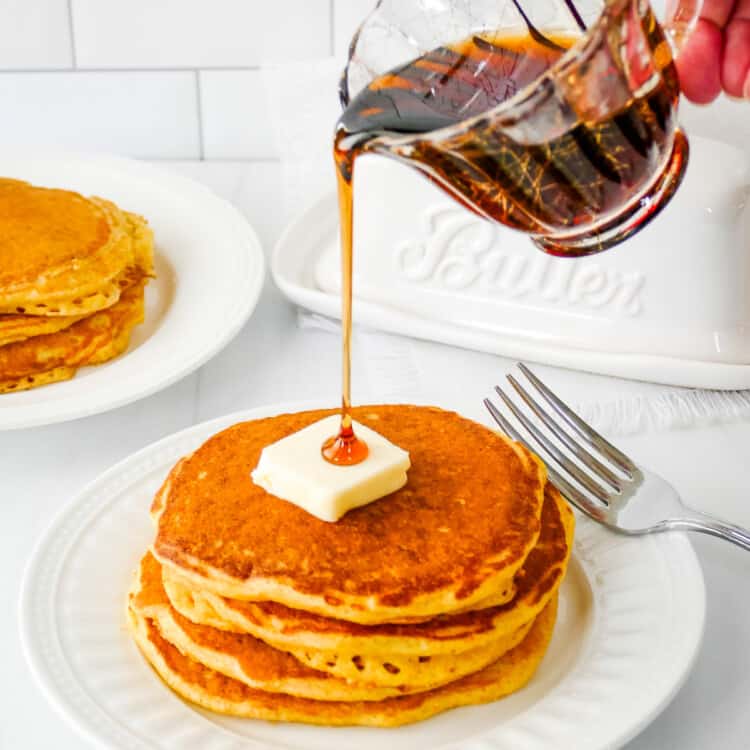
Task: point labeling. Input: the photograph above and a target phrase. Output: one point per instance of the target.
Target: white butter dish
(670, 305)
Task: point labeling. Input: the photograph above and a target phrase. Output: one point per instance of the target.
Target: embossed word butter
(293, 469)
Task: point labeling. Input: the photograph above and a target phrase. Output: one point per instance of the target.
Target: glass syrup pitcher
(553, 118)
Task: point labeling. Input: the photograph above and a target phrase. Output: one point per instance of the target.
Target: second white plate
(630, 625)
(210, 269)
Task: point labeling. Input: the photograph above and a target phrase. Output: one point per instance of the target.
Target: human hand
(717, 55)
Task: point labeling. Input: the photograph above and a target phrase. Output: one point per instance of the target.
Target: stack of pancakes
(441, 594)
(72, 275)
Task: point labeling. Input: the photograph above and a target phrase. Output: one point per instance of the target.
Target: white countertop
(41, 469)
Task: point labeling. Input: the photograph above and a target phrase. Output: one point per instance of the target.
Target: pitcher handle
(682, 15)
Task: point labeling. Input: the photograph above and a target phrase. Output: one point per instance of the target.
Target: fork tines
(591, 489)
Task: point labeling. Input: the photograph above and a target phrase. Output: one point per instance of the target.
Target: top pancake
(455, 534)
(59, 252)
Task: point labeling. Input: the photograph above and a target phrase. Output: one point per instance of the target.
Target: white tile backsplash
(236, 124)
(35, 34)
(198, 33)
(136, 114)
(157, 78)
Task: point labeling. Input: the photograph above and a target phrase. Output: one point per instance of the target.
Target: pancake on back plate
(53, 357)
(456, 534)
(62, 254)
(425, 653)
(18, 327)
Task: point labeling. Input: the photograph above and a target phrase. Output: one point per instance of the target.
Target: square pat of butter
(293, 469)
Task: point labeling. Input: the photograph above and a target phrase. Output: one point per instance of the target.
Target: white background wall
(157, 79)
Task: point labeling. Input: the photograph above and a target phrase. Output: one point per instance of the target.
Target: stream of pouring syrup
(345, 448)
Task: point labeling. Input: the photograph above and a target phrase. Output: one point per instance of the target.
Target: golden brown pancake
(56, 356)
(455, 534)
(257, 664)
(410, 671)
(142, 239)
(18, 327)
(243, 657)
(60, 253)
(217, 692)
(353, 651)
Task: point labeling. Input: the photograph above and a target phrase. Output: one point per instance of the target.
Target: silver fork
(603, 483)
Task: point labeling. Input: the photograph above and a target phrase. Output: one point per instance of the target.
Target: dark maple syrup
(587, 171)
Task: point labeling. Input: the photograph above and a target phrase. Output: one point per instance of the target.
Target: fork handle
(706, 524)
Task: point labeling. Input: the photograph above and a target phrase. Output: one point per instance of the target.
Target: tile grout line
(72, 31)
(199, 112)
(174, 69)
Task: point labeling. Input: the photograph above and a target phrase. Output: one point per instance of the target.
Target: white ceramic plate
(630, 624)
(210, 271)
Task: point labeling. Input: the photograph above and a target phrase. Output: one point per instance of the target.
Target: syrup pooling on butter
(345, 449)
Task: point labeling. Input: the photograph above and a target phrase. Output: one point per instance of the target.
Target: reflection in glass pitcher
(558, 123)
